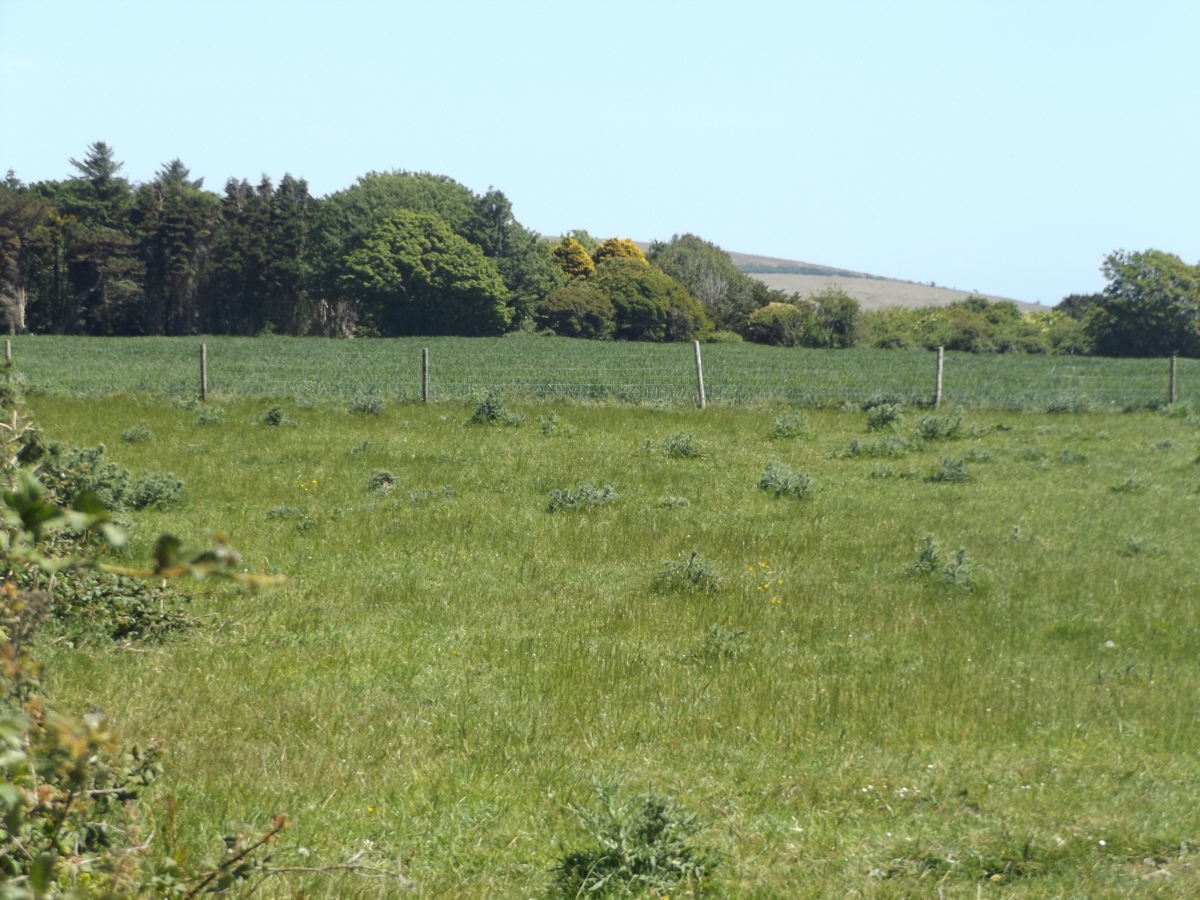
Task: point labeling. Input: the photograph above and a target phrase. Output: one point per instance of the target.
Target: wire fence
(552, 368)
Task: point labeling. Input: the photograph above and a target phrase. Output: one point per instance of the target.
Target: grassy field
(549, 368)
(450, 664)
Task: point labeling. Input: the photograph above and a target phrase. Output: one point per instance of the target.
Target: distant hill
(872, 291)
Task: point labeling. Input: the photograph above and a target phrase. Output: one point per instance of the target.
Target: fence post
(7, 350)
(937, 391)
(1173, 381)
(204, 371)
(424, 374)
(700, 378)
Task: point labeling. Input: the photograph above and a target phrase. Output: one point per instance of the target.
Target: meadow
(451, 663)
(310, 369)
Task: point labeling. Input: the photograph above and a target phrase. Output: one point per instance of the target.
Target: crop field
(874, 656)
(548, 368)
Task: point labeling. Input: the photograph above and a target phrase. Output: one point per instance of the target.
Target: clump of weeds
(491, 411)
(956, 570)
(552, 426)
(583, 496)
(1139, 546)
(690, 573)
(137, 434)
(646, 846)
(275, 417)
(366, 405)
(884, 416)
(950, 471)
(790, 425)
(784, 481)
(938, 428)
(683, 445)
(381, 482)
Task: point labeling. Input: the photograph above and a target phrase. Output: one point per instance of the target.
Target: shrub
(938, 428)
(646, 846)
(149, 490)
(577, 310)
(885, 415)
(620, 248)
(683, 445)
(582, 496)
(789, 425)
(786, 325)
(650, 305)
(136, 434)
(572, 257)
(491, 411)
(93, 604)
(366, 405)
(690, 573)
(70, 472)
(784, 481)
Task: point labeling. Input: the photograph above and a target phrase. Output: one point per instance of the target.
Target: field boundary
(535, 368)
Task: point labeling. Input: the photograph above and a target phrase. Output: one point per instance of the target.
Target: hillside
(872, 291)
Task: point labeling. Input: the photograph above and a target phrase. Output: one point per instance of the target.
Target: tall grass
(447, 671)
(549, 368)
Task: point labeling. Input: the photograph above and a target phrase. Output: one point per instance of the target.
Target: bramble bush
(71, 472)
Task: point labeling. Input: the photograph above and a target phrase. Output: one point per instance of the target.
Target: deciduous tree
(414, 275)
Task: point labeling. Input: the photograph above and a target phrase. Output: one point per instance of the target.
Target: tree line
(406, 253)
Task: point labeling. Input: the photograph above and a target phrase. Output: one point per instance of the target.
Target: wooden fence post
(424, 374)
(1174, 396)
(700, 378)
(7, 350)
(204, 371)
(937, 391)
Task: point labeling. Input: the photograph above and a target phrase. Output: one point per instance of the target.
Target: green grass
(446, 671)
(548, 368)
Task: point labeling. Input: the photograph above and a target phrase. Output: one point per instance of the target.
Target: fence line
(540, 368)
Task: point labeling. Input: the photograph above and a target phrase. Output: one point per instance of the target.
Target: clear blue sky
(1000, 146)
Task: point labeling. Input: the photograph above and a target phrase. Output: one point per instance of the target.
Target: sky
(1005, 147)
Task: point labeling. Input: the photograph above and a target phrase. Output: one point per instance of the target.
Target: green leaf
(39, 873)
